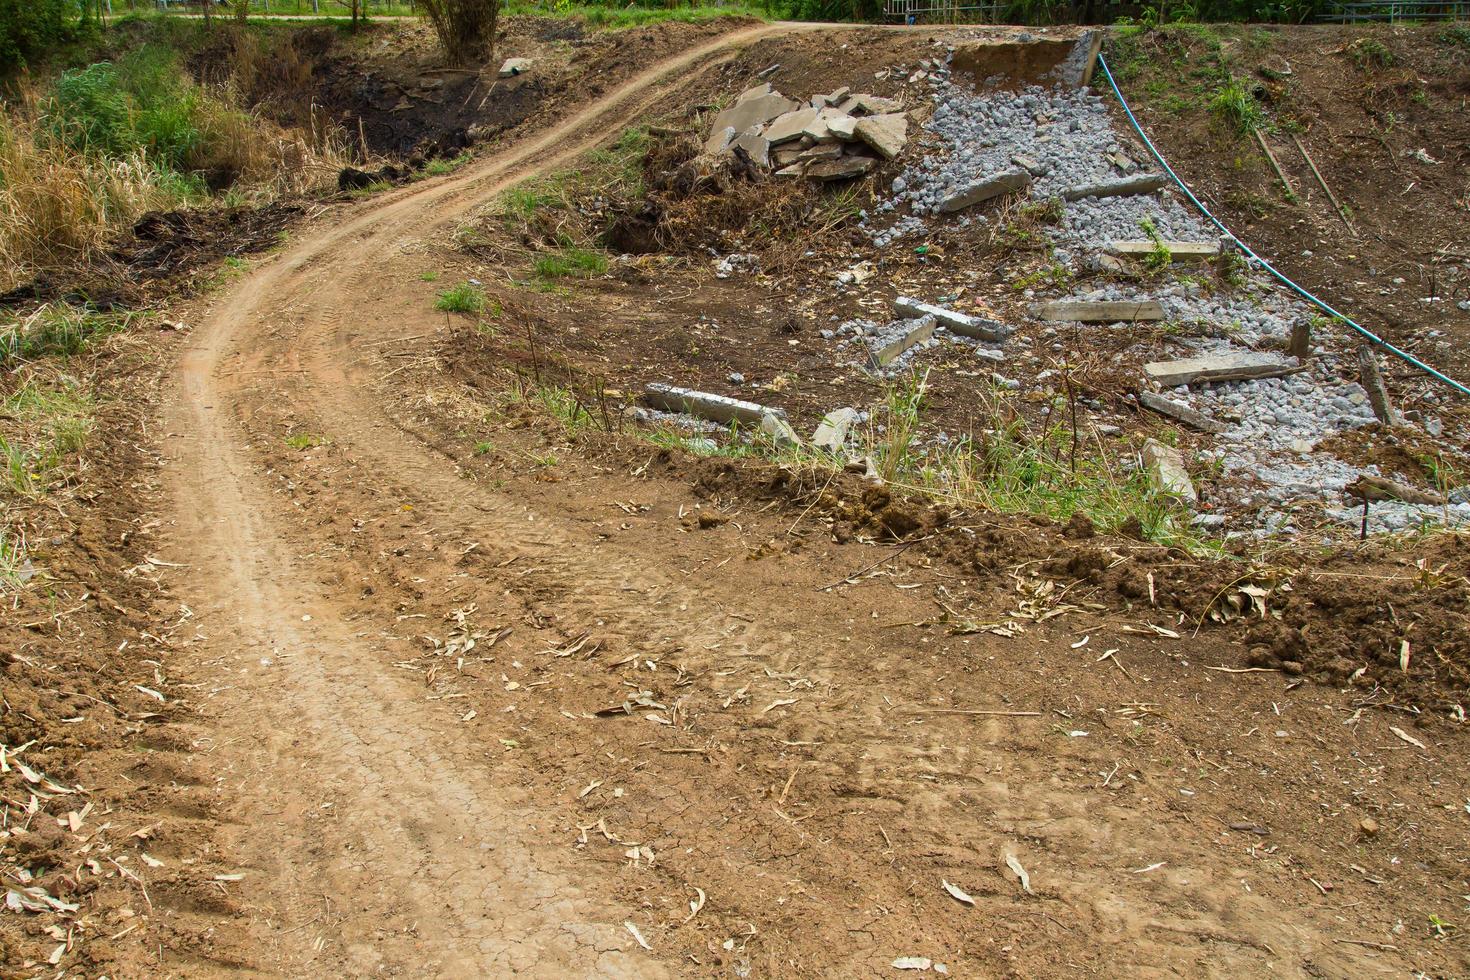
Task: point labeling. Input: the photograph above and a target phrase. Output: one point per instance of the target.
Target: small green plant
(430, 277)
(1159, 257)
(56, 330)
(570, 262)
(301, 441)
(484, 448)
(1369, 53)
(1455, 35)
(1234, 105)
(440, 166)
(12, 559)
(464, 298)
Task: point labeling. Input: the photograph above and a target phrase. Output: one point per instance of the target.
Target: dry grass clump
(83, 159)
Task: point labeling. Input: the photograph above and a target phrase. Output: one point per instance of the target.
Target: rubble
(1137, 248)
(837, 136)
(1180, 412)
(1145, 184)
(779, 430)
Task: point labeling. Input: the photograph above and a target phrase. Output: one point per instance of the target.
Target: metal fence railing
(940, 12)
(1395, 11)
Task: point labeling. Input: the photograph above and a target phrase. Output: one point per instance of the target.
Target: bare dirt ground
(581, 707)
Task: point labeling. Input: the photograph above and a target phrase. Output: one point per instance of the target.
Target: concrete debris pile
(837, 136)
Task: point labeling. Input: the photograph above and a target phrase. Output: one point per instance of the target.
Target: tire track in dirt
(372, 837)
(398, 844)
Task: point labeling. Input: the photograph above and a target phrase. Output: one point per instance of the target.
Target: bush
(29, 27)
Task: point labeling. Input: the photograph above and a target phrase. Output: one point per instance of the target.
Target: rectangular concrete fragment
(831, 434)
(702, 404)
(779, 430)
(843, 126)
(961, 323)
(1008, 182)
(1145, 184)
(1178, 251)
(1180, 413)
(1224, 367)
(757, 147)
(1089, 311)
(1167, 472)
(921, 331)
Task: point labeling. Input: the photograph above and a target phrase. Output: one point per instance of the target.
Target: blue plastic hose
(1319, 303)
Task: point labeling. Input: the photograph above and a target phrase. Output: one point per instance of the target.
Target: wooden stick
(1285, 181)
(1318, 174)
(1364, 942)
(1246, 670)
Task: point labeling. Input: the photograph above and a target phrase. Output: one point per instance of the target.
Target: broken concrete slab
(1089, 311)
(840, 168)
(1179, 412)
(1137, 248)
(921, 331)
(511, 67)
(837, 96)
(756, 92)
(843, 126)
(1004, 183)
(719, 140)
(1222, 367)
(754, 112)
(822, 151)
(1145, 184)
(961, 323)
(757, 147)
(862, 104)
(779, 430)
(795, 170)
(785, 156)
(886, 134)
(789, 126)
(702, 404)
(831, 434)
(1167, 471)
(818, 129)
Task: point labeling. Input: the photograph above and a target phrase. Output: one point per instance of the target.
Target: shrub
(1237, 107)
(464, 298)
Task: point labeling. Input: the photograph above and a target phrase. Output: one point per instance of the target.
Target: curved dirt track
(382, 831)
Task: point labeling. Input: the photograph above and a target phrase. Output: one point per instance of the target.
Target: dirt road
(405, 662)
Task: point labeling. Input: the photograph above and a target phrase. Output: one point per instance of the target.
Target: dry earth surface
(398, 679)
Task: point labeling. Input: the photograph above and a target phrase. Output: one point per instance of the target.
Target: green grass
(1234, 105)
(618, 18)
(440, 166)
(54, 419)
(430, 277)
(56, 330)
(12, 559)
(302, 441)
(464, 298)
(570, 262)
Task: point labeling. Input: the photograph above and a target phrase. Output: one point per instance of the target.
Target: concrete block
(719, 140)
(963, 324)
(1005, 183)
(779, 430)
(843, 126)
(1167, 472)
(862, 104)
(1137, 248)
(1086, 311)
(822, 151)
(1180, 413)
(831, 435)
(702, 404)
(1145, 184)
(922, 330)
(1227, 367)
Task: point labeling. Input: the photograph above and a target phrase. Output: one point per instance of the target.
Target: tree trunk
(466, 28)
